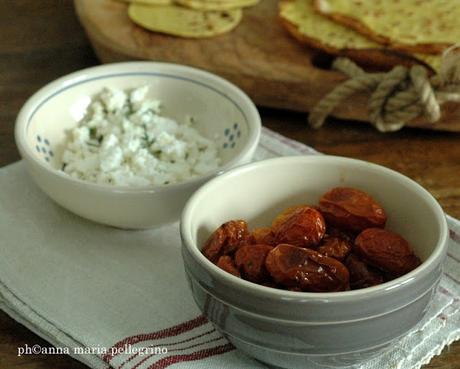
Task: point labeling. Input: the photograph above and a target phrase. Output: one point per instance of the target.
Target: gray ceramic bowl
(295, 329)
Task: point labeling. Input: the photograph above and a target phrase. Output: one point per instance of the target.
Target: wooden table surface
(42, 40)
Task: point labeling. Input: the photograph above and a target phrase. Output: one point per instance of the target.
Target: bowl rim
(406, 280)
(214, 82)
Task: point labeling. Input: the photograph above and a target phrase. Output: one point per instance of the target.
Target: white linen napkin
(101, 294)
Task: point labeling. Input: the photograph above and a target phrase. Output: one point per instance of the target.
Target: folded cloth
(117, 298)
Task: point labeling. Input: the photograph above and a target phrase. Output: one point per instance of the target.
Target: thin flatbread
(314, 30)
(427, 27)
(216, 4)
(184, 22)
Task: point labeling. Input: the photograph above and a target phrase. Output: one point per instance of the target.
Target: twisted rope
(398, 96)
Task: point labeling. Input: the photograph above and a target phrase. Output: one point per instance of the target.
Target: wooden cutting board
(258, 56)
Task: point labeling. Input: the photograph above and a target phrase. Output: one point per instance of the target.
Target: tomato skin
(335, 247)
(361, 274)
(286, 213)
(386, 251)
(226, 263)
(226, 239)
(351, 209)
(263, 235)
(306, 270)
(303, 227)
(250, 260)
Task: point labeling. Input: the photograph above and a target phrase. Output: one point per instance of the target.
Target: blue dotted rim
(140, 74)
(66, 83)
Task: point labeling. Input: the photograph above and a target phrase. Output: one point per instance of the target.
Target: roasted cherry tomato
(361, 274)
(226, 263)
(264, 236)
(303, 227)
(386, 250)
(286, 213)
(336, 232)
(351, 209)
(226, 239)
(250, 260)
(335, 247)
(306, 269)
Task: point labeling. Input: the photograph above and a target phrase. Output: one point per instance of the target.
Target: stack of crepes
(378, 33)
(188, 18)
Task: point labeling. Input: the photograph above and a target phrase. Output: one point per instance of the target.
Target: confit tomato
(351, 209)
(226, 239)
(386, 250)
(303, 227)
(306, 270)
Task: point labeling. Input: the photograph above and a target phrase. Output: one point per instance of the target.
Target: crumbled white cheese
(123, 140)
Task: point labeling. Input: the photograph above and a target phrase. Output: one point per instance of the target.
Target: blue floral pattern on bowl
(43, 148)
(231, 136)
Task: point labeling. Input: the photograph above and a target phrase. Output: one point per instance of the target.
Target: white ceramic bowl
(299, 329)
(221, 110)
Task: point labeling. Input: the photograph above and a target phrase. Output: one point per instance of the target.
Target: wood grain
(42, 40)
(259, 56)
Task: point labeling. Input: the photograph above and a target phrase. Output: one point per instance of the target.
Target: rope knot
(397, 96)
